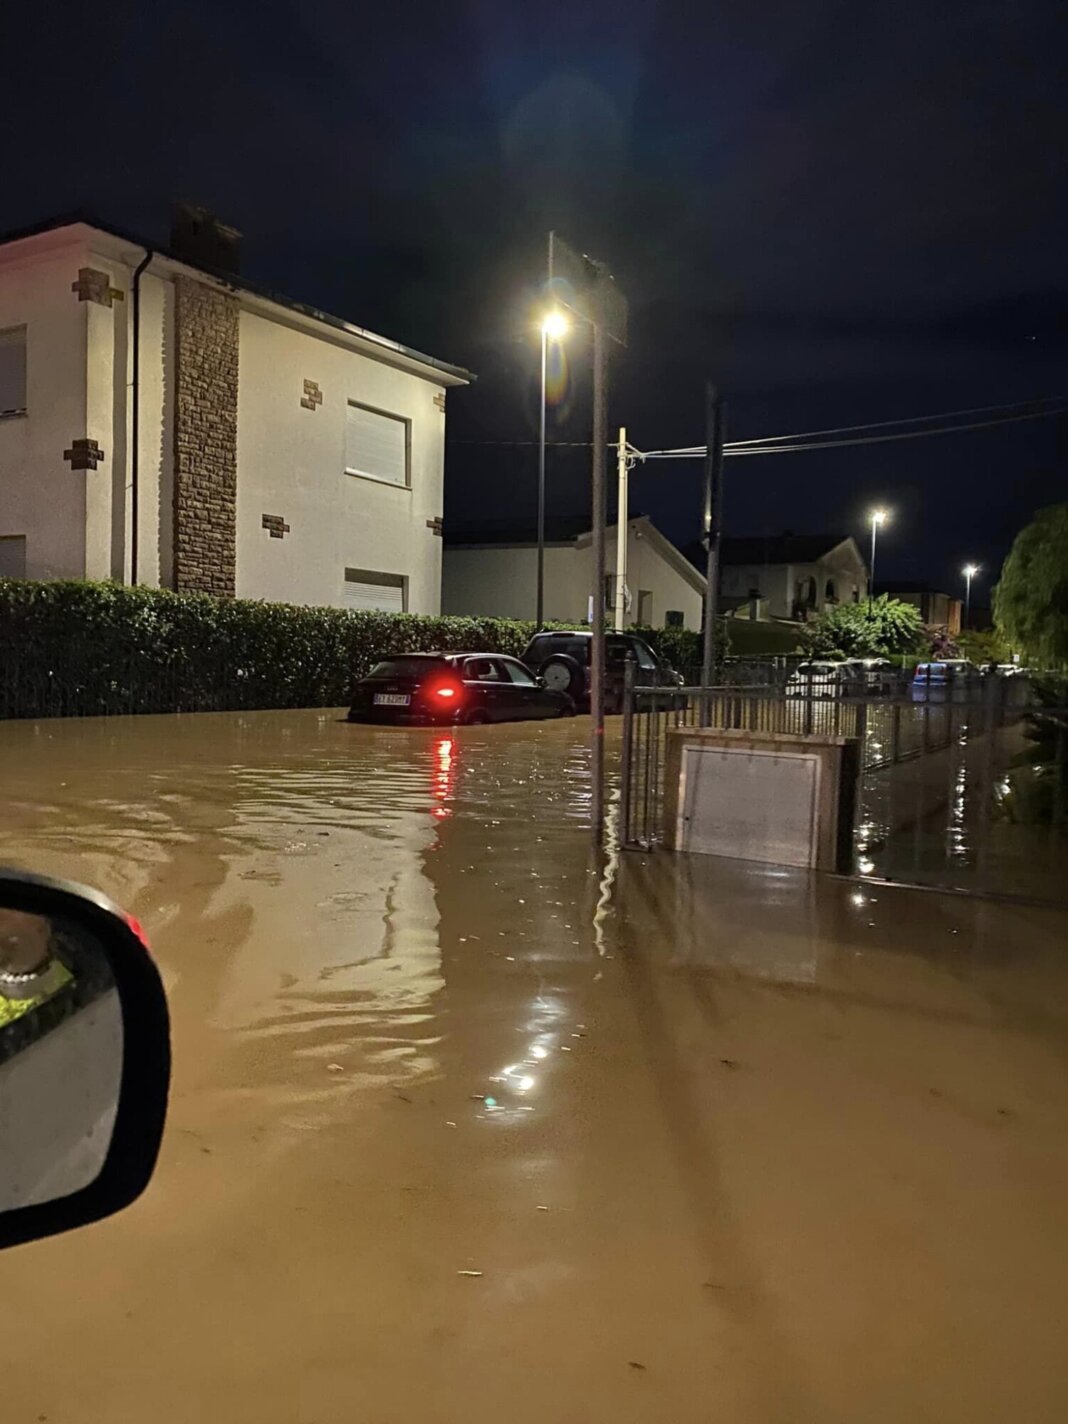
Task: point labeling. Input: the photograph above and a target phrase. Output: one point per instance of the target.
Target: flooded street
(468, 1122)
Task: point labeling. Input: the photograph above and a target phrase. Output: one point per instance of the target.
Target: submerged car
(562, 660)
(826, 678)
(934, 681)
(425, 688)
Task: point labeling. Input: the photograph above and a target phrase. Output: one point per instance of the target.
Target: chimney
(199, 238)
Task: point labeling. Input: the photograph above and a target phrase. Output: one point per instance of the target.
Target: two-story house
(797, 575)
(163, 421)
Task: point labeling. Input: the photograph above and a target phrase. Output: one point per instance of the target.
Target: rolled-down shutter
(376, 593)
(376, 445)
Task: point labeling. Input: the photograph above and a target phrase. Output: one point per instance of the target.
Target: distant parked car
(935, 681)
(876, 675)
(425, 688)
(562, 660)
(826, 678)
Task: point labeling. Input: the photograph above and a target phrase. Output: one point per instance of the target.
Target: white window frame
(387, 415)
(17, 410)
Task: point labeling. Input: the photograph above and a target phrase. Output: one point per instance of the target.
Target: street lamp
(877, 517)
(554, 327)
(969, 571)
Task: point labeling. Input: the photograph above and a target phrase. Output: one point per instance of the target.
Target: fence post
(1058, 774)
(626, 759)
(895, 734)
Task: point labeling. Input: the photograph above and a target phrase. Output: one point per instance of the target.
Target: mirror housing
(84, 1058)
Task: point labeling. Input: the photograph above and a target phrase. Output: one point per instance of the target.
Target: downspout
(135, 386)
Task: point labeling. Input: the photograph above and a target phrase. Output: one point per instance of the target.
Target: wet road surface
(467, 1123)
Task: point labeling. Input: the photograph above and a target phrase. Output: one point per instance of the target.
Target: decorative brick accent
(276, 524)
(439, 400)
(83, 454)
(94, 286)
(312, 396)
(436, 525)
(205, 439)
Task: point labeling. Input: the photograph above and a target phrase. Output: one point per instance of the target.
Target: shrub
(75, 648)
(855, 630)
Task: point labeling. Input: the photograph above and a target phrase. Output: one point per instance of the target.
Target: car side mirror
(84, 1058)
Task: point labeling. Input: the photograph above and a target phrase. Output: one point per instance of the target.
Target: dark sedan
(425, 688)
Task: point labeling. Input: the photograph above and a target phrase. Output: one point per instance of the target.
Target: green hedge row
(79, 649)
(75, 648)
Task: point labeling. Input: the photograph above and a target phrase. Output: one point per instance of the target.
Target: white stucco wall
(648, 570)
(41, 497)
(291, 462)
(501, 581)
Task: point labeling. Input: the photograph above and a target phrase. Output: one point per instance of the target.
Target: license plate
(392, 699)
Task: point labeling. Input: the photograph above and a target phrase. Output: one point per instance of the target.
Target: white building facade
(498, 578)
(173, 426)
(794, 576)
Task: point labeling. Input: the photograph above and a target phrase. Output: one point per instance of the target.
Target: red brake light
(447, 691)
(138, 930)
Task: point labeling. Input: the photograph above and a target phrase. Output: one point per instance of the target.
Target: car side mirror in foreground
(84, 1058)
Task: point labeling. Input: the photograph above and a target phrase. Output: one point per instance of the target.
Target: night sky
(839, 212)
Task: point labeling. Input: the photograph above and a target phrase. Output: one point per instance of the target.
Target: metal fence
(975, 816)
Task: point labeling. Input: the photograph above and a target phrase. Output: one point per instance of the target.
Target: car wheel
(561, 673)
(476, 718)
(567, 710)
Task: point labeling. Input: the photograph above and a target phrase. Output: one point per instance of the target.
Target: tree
(1031, 598)
(852, 630)
(982, 645)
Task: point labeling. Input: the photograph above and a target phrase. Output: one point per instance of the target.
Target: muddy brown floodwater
(469, 1125)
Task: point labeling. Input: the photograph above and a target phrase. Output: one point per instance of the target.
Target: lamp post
(877, 516)
(554, 327)
(969, 571)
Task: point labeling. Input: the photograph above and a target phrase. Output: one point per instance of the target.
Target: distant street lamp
(554, 327)
(877, 517)
(969, 571)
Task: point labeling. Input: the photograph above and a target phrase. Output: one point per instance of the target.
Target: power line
(775, 444)
(908, 420)
(693, 452)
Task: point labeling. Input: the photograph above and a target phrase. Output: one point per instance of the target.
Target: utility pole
(585, 287)
(622, 530)
(600, 440)
(539, 613)
(715, 423)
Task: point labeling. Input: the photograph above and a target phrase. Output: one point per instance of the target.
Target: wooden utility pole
(715, 424)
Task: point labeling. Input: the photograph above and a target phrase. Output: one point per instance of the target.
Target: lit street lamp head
(555, 325)
(879, 516)
(970, 570)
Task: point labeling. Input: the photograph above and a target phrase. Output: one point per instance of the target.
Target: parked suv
(562, 661)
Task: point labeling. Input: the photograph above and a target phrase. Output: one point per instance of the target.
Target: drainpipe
(135, 388)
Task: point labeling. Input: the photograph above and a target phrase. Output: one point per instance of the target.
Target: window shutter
(376, 445)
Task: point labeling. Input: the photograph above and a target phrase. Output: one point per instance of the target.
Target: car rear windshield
(405, 667)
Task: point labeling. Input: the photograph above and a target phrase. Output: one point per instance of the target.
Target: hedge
(72, 648)
(75, 648)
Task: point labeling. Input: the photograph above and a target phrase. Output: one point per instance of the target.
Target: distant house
(792, 576)
(492, 572)
(938, 610)
(164, 421)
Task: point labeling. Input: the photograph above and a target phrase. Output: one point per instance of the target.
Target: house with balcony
(164, 421)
